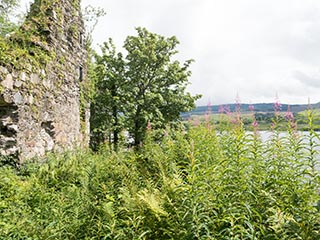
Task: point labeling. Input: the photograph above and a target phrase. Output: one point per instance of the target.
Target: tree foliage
(147, 86)
(109, 103)
(7, 8)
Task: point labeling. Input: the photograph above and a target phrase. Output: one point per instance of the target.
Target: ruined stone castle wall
(40, 107)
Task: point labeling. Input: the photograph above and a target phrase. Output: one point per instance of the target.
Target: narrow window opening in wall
(69, 34)
(81, 41)
(8, 129)
(48, 126)
(80, 74)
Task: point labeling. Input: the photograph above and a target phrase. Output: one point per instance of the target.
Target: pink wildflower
(227, 110)
(208, 113)
(209, 106)
(149, 126)
(196, 122)
(289, 115)
(277, 105)
(238, 103)
(224, 109)
(255, 124)
(293, 125)
(234, 121)
(221, 109)
(251, 107)
(207, 118)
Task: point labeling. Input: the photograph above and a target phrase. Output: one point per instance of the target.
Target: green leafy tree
(109, 104)
(149, 86)
(7, 8)
(157, 83)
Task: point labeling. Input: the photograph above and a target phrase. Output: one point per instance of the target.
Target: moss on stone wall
(28, 49)
(43, 72)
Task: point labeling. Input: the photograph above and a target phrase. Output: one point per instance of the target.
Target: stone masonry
(40, 106)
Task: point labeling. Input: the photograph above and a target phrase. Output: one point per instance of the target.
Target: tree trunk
(137, 134)
(115, 128)
(115, 118)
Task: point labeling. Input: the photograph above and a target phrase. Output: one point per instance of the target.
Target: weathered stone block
(3, 70)
(18, 98)
(17, 84)
(8, 82)
(34, 78)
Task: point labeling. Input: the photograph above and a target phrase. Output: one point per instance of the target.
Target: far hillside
(258, 108)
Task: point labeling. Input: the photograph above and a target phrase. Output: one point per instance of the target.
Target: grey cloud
(307, 79)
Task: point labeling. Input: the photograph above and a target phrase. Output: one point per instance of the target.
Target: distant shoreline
(244, 107)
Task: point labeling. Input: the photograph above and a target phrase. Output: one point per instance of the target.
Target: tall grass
(199, 184)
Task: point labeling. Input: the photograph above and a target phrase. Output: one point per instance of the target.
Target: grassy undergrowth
(201, 184)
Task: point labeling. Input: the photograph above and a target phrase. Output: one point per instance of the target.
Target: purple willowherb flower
(293, 125)
(234, 121)
(255, 124)
(251, 107)
(289, 115)
(224, 109)
(277, 105)
(238, 104)
(149, 126)
(196, 122)
(221, 109)
(209, 105)
(227, 110)
(207, 117)
(208, 112)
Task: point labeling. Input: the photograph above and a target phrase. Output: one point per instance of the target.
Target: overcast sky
(254, 48)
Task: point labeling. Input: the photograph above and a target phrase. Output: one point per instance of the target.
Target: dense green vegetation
(199, 184)
(212, 180)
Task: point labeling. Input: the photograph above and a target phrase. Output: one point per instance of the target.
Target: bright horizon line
(226, 104)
